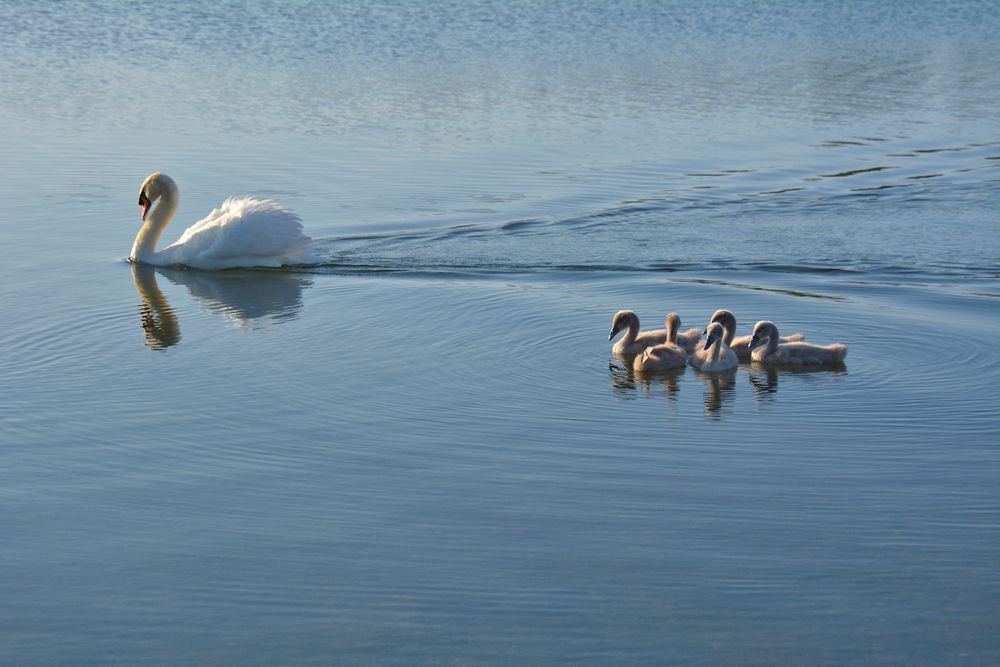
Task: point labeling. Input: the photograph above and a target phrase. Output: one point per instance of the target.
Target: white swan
(244, 232)
(741, 345)
(797, 353)
(666, 355)
(634, 341)
(716, 355)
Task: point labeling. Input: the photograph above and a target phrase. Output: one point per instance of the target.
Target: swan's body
(244, 231)
(765, 347)
(666, 355)
(634, 341)
(716, 356)
(741, 345)
(688, 339)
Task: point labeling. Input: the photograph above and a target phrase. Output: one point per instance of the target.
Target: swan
(741, 345)
(688, 340)
(244, 231)
(716, 355)
(634, 341)
(796, 352)
(665, 355)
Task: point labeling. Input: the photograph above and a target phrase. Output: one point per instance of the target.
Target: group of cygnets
(663, 349)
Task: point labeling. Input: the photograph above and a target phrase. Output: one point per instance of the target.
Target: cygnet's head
(725, 318)
(154, 187)
(623, 319)
(715, 332)
(762, 331)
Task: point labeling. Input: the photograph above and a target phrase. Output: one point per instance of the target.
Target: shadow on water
(248, 299)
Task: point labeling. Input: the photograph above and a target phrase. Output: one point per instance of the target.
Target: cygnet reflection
(669, 379)
(720, 386)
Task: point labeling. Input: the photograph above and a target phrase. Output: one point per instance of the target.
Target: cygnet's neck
(672, 331)
(144, 247)
(730, 332)
(632, 332)
(716, 350)
(772, 339)
(728, 322)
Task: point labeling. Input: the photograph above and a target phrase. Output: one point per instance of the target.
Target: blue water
(422, 451)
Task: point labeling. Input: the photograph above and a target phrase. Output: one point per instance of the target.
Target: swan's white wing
(244, 231)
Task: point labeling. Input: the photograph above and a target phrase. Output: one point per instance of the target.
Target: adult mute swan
(716, 355)
(797, 353)
(741, 345)
(244, 231)
(634, 341)
(665, 355)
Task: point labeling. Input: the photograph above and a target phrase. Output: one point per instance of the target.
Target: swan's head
(155, 186)
(715, 332)
(762, 331)
(725, 318)
(623, 319)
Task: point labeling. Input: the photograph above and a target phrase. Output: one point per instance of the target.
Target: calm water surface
(423, 450)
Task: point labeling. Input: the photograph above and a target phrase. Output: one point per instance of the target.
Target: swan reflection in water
(764, 377)
(248, 299)
(720, 387)
(670, 379)
(625, 381)
(622, 379)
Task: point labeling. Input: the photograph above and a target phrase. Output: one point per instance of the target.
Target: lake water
(423, 452)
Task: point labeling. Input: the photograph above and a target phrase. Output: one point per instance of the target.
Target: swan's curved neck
(144, 248)
(716, 350)
(632, 332)
(772, 340)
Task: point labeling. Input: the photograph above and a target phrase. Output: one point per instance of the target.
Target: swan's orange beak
(145, 204)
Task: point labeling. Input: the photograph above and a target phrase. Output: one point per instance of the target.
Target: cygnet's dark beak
(145, 204)
(754, 342)
(708, 342)
(614, 331)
